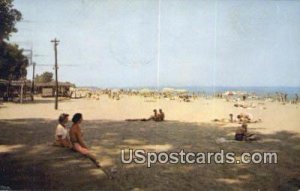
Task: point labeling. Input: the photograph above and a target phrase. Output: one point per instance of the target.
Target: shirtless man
(77, 140)
(153, 117)
(161, 115)
(241, 134)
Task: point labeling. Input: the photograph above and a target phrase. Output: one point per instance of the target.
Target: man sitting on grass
(241, 134)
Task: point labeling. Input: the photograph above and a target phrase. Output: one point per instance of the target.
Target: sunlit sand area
(30, 161)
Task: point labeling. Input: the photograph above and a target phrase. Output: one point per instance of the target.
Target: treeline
(13, 62)
(44, 77)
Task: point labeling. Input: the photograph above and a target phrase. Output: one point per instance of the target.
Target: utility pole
(30, 56)
(33, 78)
(55, 41)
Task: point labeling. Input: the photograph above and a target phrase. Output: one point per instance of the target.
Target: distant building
(19, 91)
(16, 91)
(48, 89)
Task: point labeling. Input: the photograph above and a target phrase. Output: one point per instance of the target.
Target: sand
(274, 115)
(28, 161)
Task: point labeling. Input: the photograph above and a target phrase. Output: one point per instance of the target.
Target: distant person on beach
(247, 118)
(76, 139)
(154, 117)
(61, 132)
(285, 97)
(244, 117)
(241, 118)
(161, 115)
(241, 134)
(231, 118)
(244, 97)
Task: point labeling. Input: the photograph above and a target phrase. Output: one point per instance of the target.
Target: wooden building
(48, 89)
(16, 91)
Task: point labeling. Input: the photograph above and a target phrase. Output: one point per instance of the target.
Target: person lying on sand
(230, 120)
(77, 139)
(241, 118)
(244, 105)
(246, 118)
(241, 134)
(153, 117)
(61, 132)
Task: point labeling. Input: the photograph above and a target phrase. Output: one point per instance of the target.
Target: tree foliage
(44, 77)
(13, 63)
(8, 19)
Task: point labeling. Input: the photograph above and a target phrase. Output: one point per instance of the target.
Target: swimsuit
(239, 137)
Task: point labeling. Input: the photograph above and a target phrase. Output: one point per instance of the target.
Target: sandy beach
(275, 116)
(29, 161)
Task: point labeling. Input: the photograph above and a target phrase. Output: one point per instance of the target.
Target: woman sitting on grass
(77, 140)
(61, 132)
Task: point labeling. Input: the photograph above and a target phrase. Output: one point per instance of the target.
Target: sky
(160, 43)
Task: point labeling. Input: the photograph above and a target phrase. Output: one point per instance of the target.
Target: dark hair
(76, 117)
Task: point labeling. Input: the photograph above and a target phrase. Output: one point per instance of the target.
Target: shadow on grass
(29, 162)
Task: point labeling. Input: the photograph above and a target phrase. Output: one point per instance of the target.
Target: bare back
(74, 133)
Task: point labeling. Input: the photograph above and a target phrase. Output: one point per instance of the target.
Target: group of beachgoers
(241, 133)
(157, 116)
(283, 97)
(72, 137)
(239, 118)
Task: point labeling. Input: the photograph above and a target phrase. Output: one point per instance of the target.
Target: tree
(44, 77)
(13, 63)
(8, 17)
